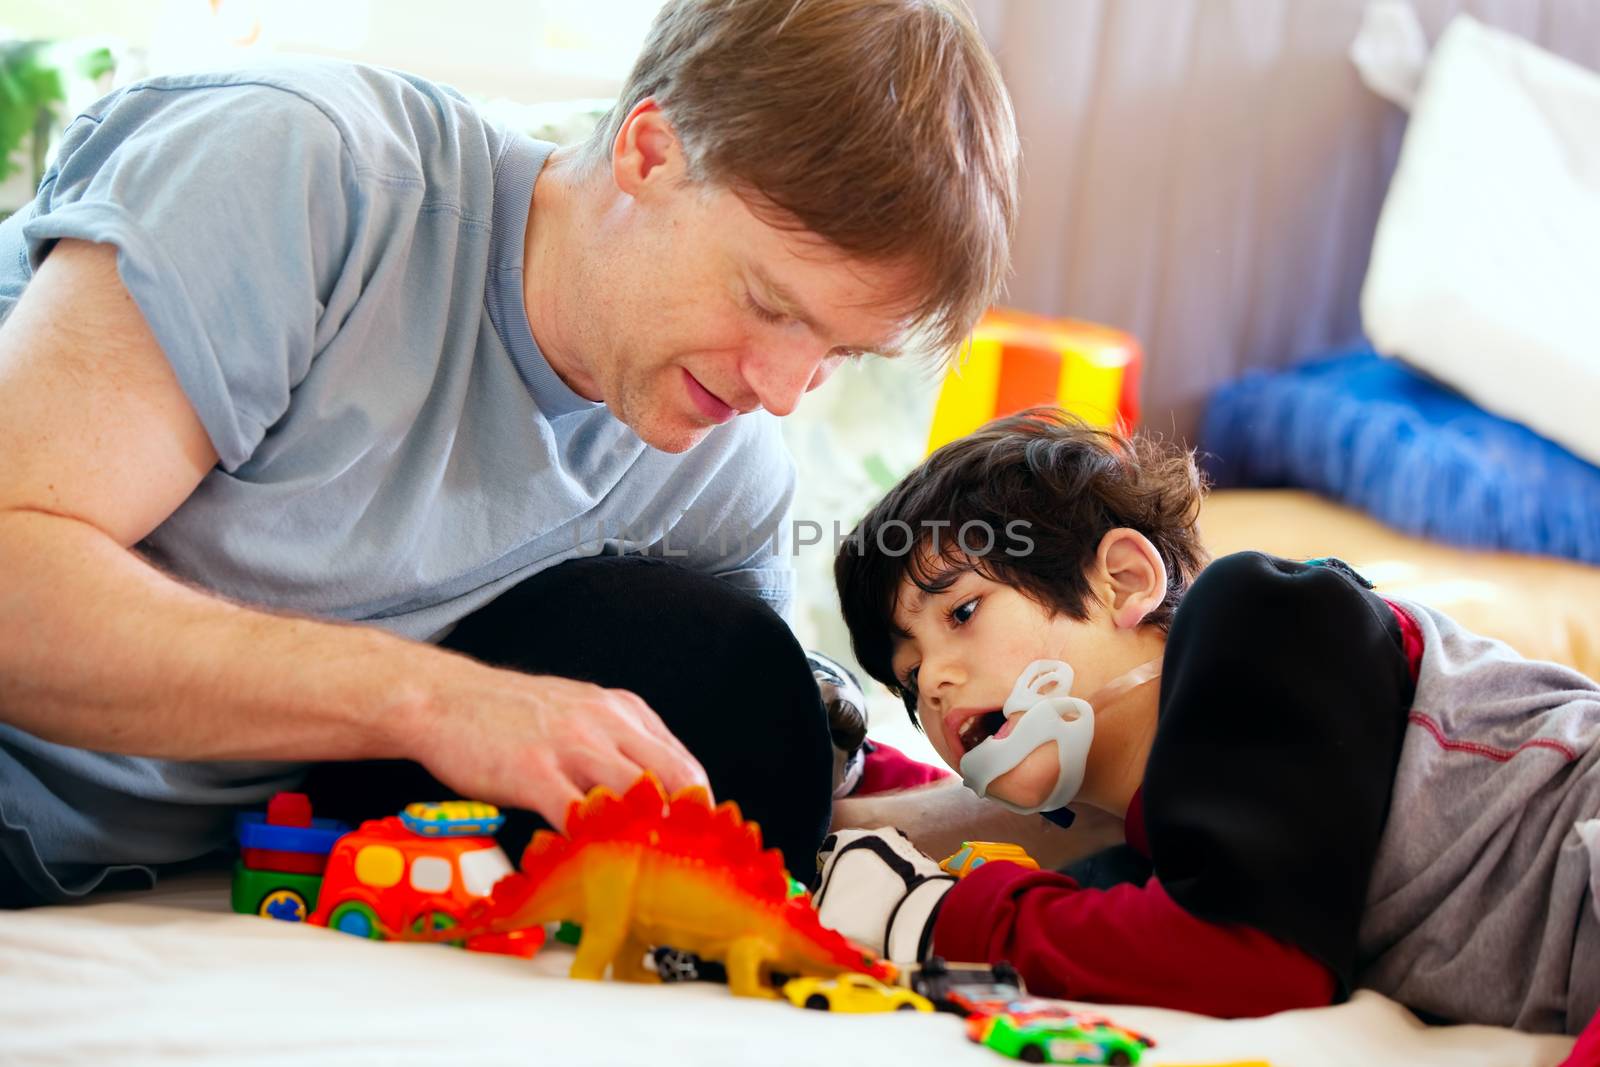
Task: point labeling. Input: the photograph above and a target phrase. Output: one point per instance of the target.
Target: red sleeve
(1126, 945)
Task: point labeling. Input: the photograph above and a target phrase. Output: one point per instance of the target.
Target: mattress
(171, 976)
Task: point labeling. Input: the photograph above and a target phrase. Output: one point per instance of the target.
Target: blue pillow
(1377, 435)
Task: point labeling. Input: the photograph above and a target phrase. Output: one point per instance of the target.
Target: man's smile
(711, 406)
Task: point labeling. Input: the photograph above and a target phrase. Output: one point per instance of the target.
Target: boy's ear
(1131, 575)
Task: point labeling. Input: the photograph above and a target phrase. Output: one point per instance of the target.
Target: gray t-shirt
(331, 259)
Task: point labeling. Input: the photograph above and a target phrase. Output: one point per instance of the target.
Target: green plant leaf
(29, 85)
(96, 63)
(30, 88)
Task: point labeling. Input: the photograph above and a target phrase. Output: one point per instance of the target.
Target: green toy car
(1055, 1036)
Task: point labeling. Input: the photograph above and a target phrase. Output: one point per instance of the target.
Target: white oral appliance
(1050, 713)
(1041, 693)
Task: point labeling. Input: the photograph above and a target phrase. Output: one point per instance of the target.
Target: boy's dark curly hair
(1043, 488)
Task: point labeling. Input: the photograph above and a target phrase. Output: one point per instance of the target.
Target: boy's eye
(964, 611)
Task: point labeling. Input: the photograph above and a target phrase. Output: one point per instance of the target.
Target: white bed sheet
(173, 977)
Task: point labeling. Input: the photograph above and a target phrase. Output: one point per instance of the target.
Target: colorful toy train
(419, 870)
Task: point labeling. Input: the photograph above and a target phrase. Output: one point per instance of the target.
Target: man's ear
(1131, 577)
(646, 152)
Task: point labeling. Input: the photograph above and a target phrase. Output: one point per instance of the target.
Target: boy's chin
(1028, 784)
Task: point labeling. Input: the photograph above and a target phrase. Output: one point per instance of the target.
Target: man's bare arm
(99, 444)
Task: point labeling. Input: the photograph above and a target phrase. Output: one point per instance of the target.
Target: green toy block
(275, 894)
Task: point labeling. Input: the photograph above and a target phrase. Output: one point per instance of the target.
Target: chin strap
(1127, 682)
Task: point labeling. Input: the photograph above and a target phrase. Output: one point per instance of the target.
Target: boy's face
(968, 644)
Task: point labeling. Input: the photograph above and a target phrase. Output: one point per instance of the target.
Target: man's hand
(541, 742)
(880, 892)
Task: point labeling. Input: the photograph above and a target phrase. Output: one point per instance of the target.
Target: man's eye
(964, 611)
(764, 313)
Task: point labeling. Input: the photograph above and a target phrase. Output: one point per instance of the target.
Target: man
(339, 425)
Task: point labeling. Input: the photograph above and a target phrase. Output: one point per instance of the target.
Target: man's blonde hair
(880, 126)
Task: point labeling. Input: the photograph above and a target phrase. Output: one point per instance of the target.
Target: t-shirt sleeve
(231, 207)
(1130, 944)
(1283, 705)
(739, 526)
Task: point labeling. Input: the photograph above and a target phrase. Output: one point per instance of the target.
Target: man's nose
(781, 376)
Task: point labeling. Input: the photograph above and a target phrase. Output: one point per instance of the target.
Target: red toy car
(419, 871)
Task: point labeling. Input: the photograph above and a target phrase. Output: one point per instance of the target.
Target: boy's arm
(939, 817)
(1129, 944)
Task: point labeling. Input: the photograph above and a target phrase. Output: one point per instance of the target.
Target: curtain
(1207, 174)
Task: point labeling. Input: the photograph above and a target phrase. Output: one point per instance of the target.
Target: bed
(172, 976)
(1544, 607)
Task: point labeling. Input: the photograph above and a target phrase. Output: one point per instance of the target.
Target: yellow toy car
(974, 854)
(854, 993)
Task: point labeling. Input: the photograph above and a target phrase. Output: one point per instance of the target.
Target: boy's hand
(881, 892)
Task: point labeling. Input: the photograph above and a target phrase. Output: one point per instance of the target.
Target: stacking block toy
(282, 856)
(1016, 360)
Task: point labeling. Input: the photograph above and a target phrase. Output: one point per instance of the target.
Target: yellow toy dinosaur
(644, 870)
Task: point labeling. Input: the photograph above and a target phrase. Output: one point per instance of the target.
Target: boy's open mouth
(980, 727)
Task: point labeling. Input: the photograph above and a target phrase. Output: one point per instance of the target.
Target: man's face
(715, 312)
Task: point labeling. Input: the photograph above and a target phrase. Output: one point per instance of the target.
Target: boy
(1321, 787)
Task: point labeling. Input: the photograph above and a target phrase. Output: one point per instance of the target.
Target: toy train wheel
(283, 904)
(437, 920)
(817, 1002)
(354, 917)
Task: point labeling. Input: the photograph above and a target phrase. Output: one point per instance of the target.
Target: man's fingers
(672, 763)
(689, 771)
(554, 797)
(610, 767)
(646, 716)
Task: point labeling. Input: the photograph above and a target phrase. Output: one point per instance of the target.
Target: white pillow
(1485, 270)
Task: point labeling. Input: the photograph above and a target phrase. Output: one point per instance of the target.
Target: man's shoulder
(385, 120)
